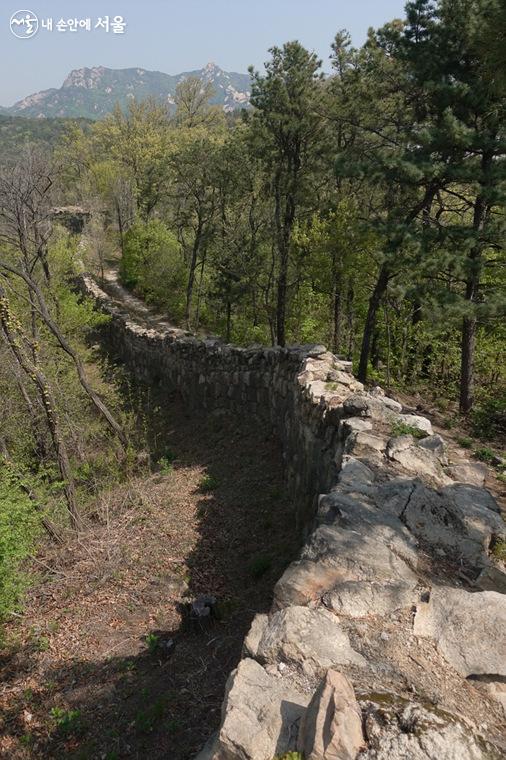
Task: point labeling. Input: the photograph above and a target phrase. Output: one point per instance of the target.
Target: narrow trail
(79, 679)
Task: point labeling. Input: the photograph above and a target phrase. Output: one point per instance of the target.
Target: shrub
(19, 526)
(488, 418)
(208, 484)
(152, 642)
(66, 721)
(400, 428)
(498, 549)
(152, 263)
(259, 565)
(484, 455)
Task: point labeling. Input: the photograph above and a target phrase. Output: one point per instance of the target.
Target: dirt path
(79, 679)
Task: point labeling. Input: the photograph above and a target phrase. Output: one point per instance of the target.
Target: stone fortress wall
(387, 636)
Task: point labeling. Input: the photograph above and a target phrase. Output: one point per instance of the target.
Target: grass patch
(464, 441)
(484, 455)
(400, 428)
(66, 721)
(152, 642)
(498, 549)
(146, 720)
(208, 483)
(259, 565)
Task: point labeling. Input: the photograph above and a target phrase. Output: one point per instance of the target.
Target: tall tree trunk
(121, 231)
(229, 321)
(350, 321)
(375, 349)
(370, 322)
(281, 298)
(416, 318)
(467, 364)
(284, 224)
(191, 274)
(336, 299)
(469, 322)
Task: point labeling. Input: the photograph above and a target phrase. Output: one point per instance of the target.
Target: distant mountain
(93, 93)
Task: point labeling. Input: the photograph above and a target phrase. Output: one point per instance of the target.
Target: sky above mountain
(170, 36)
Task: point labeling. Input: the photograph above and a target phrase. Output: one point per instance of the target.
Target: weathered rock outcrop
(396, 586)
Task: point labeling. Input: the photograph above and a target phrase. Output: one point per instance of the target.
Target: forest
(362, 209)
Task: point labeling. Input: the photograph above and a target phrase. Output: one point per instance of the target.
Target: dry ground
(79, 678)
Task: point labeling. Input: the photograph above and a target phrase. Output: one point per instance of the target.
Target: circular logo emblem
(24, 24)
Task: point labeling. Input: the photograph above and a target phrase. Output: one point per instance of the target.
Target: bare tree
(26, 227)
(19, 342)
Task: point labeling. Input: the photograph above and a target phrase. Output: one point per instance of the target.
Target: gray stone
(469, 629)
(255, 633)
(473, 473)
(305, 581)
(260, 717)
(357, 405)
(334, 555)
(458, 517)
(391, 404)
(357, 511)
(415, 733)
(357, 599)
(355, 475)
(492, 578)
(355, 425)
(331, 728)
(435, 444)
(406, 451)
(312, 638)
(415, 421)
(367, 446)
(393, 496)
(367, 405)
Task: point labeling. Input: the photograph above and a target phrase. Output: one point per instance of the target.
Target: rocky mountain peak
(93, 92)
(89, 78)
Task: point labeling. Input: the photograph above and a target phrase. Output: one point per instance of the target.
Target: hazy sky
(173, 35)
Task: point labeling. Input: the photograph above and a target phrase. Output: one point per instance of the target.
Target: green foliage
(67, 722)
(488, 418)
(484, 455)
(152, 263)
(208, 484)
(290, 756)
(16, 132)
(259, 565)
(19, 528)
(400, 428)
(146, 720)
(498, 549)
(152, 642)
(165, 465)
(341, 210)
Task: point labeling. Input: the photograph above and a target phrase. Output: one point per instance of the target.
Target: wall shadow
(166, 702)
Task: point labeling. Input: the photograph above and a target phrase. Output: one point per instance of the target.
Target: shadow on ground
(161, 697)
